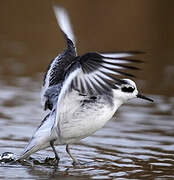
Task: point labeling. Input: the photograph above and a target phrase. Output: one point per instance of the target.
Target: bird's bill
(144, 97)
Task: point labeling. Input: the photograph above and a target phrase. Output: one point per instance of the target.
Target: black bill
(144, 97)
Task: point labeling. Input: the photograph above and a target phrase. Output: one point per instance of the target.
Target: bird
(81, 93)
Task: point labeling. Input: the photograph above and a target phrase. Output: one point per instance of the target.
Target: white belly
(77, 123)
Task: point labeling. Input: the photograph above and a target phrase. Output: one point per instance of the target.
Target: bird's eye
(127, 89)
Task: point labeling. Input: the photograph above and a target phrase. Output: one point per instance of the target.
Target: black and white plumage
(82, 92)
(108, 63)
(57, 69)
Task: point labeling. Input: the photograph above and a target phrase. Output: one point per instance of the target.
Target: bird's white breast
(77, 122)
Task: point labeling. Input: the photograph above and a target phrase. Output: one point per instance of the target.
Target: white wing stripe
(99, 79)
(62, 94)
(116, 55)
(92, 78)
(112, 66)
(108, 71)
(78, 81)
(90, 84)
(103, 75)
(115, 61)
(84, 83)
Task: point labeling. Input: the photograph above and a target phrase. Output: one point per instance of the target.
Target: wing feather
(90, 74)
(57, 69)
(99, 73)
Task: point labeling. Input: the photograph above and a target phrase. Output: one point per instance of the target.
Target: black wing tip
(129, 75)
(130, 67)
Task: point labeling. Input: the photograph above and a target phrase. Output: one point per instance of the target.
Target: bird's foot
(76, 162)
(55, 162)
(52, 161)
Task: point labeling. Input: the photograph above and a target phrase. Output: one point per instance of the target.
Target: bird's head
(128, 90)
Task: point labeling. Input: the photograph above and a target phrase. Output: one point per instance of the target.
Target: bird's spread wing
(99, 73)
(56, 70)
(91, 74)
(64, 23)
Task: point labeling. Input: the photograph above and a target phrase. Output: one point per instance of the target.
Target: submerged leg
(56, 159)
(75, 161)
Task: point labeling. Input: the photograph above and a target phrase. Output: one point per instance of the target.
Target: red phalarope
(81, 92)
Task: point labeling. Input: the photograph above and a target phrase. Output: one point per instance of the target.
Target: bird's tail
(33, 147)
(41, 138)
(64, 23)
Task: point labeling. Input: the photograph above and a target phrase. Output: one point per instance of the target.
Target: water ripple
(138, 142)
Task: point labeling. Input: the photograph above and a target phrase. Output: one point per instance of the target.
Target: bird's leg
(75, 161)
(56, 159)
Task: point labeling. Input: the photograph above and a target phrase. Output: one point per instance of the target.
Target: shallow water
(138, 143)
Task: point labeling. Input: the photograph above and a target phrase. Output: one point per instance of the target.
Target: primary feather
(57, 68)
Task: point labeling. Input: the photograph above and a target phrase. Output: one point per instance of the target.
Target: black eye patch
(127, 89)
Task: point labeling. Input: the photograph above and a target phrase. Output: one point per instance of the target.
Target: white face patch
(125, 91)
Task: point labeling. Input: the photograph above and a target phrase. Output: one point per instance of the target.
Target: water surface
(138, 143)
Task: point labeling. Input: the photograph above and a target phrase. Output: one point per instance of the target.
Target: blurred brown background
(30, 37)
